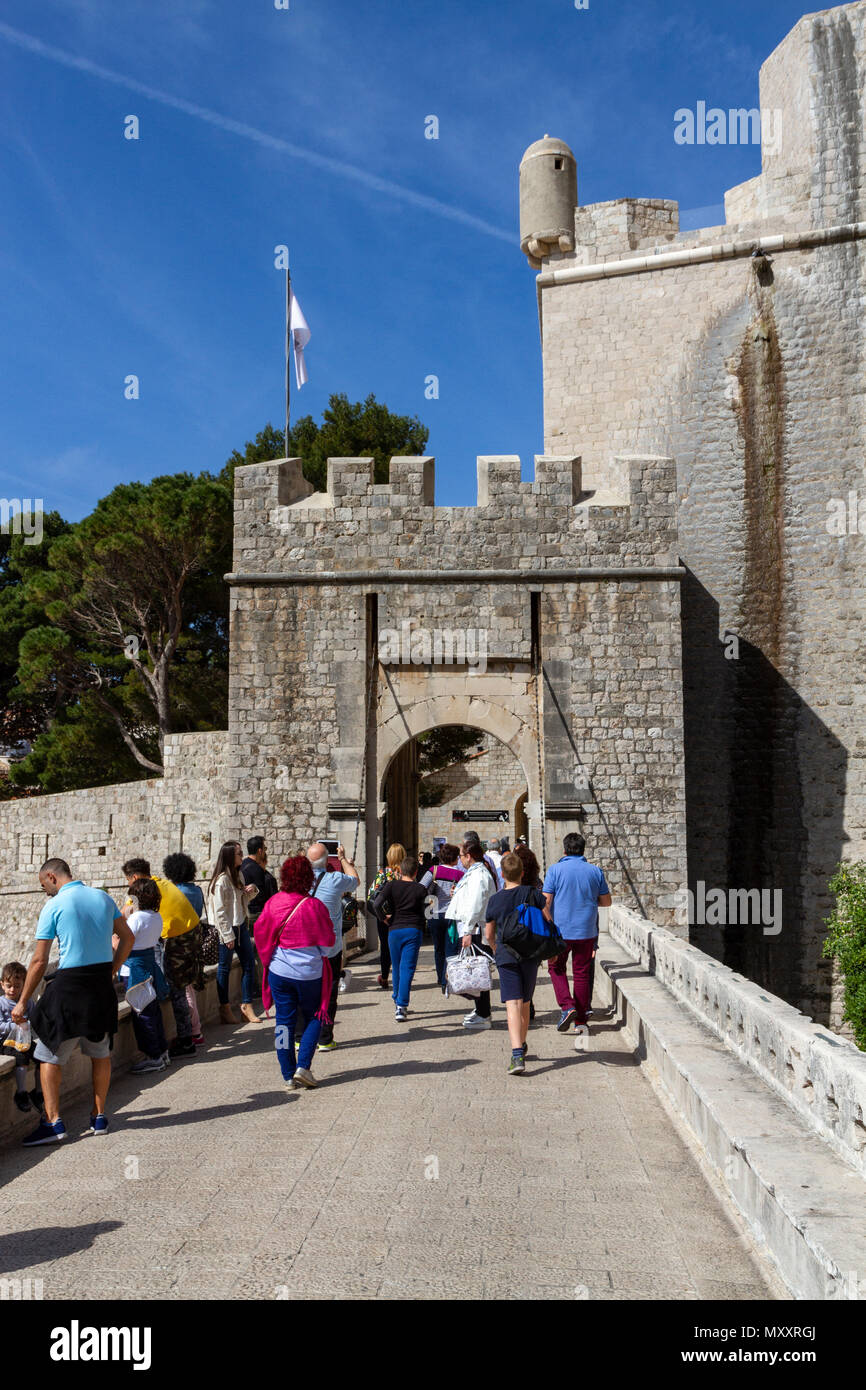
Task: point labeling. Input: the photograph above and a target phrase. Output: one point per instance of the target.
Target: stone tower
(548, 196)
(739, 350)
(579, 603)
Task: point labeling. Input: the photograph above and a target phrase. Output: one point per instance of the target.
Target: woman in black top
(402, 903)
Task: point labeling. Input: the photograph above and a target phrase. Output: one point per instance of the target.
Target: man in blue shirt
(574, 891)
(329, 887)
(83, 921)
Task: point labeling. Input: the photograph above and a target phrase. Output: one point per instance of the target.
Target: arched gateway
(547, 616)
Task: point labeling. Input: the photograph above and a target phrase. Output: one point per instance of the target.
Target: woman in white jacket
(227, 909)
(467, 909)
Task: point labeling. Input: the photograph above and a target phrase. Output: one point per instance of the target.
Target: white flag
(300, 336)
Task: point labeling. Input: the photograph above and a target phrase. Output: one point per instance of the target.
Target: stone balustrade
(821, 1075)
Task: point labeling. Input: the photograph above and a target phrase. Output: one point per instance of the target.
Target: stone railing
(822, 1076)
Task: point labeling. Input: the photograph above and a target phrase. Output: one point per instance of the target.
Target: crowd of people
(288, 938)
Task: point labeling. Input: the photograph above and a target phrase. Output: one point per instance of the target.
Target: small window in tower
(557, 164)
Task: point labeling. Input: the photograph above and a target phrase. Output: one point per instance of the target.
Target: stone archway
(473, 712)
(397, 733)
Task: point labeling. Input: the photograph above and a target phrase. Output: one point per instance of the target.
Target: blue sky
(306, 127)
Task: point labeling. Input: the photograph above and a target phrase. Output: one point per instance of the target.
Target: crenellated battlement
(552, 521)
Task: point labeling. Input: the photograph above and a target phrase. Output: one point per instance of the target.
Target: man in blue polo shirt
(79, 1006)
(574, 891)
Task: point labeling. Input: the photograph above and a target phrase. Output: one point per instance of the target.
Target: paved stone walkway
(420, 1169)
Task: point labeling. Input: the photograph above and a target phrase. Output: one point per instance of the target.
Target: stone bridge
(707, 1143)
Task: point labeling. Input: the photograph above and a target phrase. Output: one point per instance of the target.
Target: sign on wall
(480, 816)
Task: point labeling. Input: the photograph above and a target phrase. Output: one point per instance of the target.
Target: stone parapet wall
(549, 524)
(819, 1074)
(97, 828)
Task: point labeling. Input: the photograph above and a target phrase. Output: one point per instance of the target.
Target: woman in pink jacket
(292, 933)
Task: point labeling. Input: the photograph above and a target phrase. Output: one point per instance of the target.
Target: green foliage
(366, 429)
(146, 564)
(134, 637)
(451, 743)
(22, 717)
(846, 942)
(80, 748)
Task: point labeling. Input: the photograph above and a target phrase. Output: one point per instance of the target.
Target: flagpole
(288, 352)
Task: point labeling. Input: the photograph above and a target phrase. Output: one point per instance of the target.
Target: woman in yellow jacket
(182, 948)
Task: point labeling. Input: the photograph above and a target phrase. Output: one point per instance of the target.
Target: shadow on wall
(765, 783)
(449, 783)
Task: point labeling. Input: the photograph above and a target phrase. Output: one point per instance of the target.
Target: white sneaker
(345, 981)
(303, 1079)
(477, 1023)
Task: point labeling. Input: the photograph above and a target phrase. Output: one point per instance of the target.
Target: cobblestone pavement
(419, 1169)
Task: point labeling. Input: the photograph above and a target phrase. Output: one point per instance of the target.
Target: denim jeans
(247, 957)
(404, 945)
(289, 997)
(442, 948)
(148, 1029)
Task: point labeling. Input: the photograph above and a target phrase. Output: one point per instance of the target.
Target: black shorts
(516, 979)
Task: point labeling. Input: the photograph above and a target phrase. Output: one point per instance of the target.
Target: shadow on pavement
(21, 1249)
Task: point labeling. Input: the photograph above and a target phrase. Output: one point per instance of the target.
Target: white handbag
(140, 995)
(469, 972)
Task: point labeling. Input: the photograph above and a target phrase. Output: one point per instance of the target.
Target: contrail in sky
(248, 132)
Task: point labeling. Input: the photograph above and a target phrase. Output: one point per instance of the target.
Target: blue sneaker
(566, 1018)
(98, 1124)
(46, 1133)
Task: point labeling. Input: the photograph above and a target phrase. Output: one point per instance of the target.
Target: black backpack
(527, 933)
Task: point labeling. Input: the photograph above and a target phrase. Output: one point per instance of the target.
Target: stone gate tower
(579, 601)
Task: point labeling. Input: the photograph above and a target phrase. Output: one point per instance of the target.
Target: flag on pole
(300, 336)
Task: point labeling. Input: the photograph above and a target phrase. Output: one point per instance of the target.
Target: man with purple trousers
(574, 891)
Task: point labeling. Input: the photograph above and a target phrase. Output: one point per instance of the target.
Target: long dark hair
(476, 853)
(225, 863)
(531, 870)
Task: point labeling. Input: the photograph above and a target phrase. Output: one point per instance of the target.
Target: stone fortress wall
(749, 371)
(98, 828)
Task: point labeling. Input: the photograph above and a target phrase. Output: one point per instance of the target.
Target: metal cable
(538, 734)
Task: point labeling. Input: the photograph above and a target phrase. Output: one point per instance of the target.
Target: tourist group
(481, 904)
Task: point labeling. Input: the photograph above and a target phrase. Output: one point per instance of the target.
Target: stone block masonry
(96, 829)
(749, 371)
(578, 598)
(490, 779)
